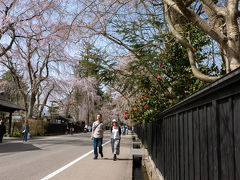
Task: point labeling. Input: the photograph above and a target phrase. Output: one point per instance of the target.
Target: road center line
(68, 165)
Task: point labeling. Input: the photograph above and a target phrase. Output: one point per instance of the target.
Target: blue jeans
(24, 136)
(97, 142)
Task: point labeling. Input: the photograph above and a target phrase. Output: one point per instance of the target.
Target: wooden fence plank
(186, 153)
(226, 141)
(165, 146)
(167, 154)
(215, 140)
(181, 144)
(236, 118)
(203, 143)
(177, 149)
(190, 147)
(174, 147)
(196, 145)
(210, 149)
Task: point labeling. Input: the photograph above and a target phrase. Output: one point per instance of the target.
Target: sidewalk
(105, 168)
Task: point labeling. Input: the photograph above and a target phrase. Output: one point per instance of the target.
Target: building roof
(8, 106)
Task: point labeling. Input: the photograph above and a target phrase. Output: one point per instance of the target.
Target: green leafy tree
(159, 76)
(97, 63)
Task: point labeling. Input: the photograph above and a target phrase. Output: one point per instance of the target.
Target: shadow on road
(17, 147)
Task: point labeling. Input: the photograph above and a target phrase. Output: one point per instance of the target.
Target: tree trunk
(221, 25)
(175, 24)
(44, 102)
(233, 34)
(31, 105)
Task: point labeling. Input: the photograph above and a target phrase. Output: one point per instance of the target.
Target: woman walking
(25, 131)
(115, 139)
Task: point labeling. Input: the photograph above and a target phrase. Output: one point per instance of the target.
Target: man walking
(97, 136)
(2, 130)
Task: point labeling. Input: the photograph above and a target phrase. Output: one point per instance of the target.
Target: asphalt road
(39, 157)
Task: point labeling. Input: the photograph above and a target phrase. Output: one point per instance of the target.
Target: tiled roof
(8, 106)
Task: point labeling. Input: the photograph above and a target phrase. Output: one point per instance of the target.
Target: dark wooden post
(10, 124)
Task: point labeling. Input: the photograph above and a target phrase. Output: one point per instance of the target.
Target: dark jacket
(2, 129)
(25, 127)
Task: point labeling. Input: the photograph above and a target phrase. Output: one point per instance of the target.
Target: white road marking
(68, 165)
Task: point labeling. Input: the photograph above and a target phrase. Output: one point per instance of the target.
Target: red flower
(158, 77)
(136, 95)
(145, 107)
(125, 112)
(149, 92)
(161, 64)
(125, 117)
(148, 99)
(130, 116)
(193, 49)
(134, 109)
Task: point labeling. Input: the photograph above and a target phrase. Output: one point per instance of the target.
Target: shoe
(94, 158)
(101, 155)
(115, 157)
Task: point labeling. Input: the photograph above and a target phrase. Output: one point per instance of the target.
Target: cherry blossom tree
(217, 20)
(43, 95)
(114, 107)
(77, 97)
(14, 15)
(39, 49)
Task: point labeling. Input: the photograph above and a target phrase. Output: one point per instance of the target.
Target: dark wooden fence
(198, 138)
(52, 128)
